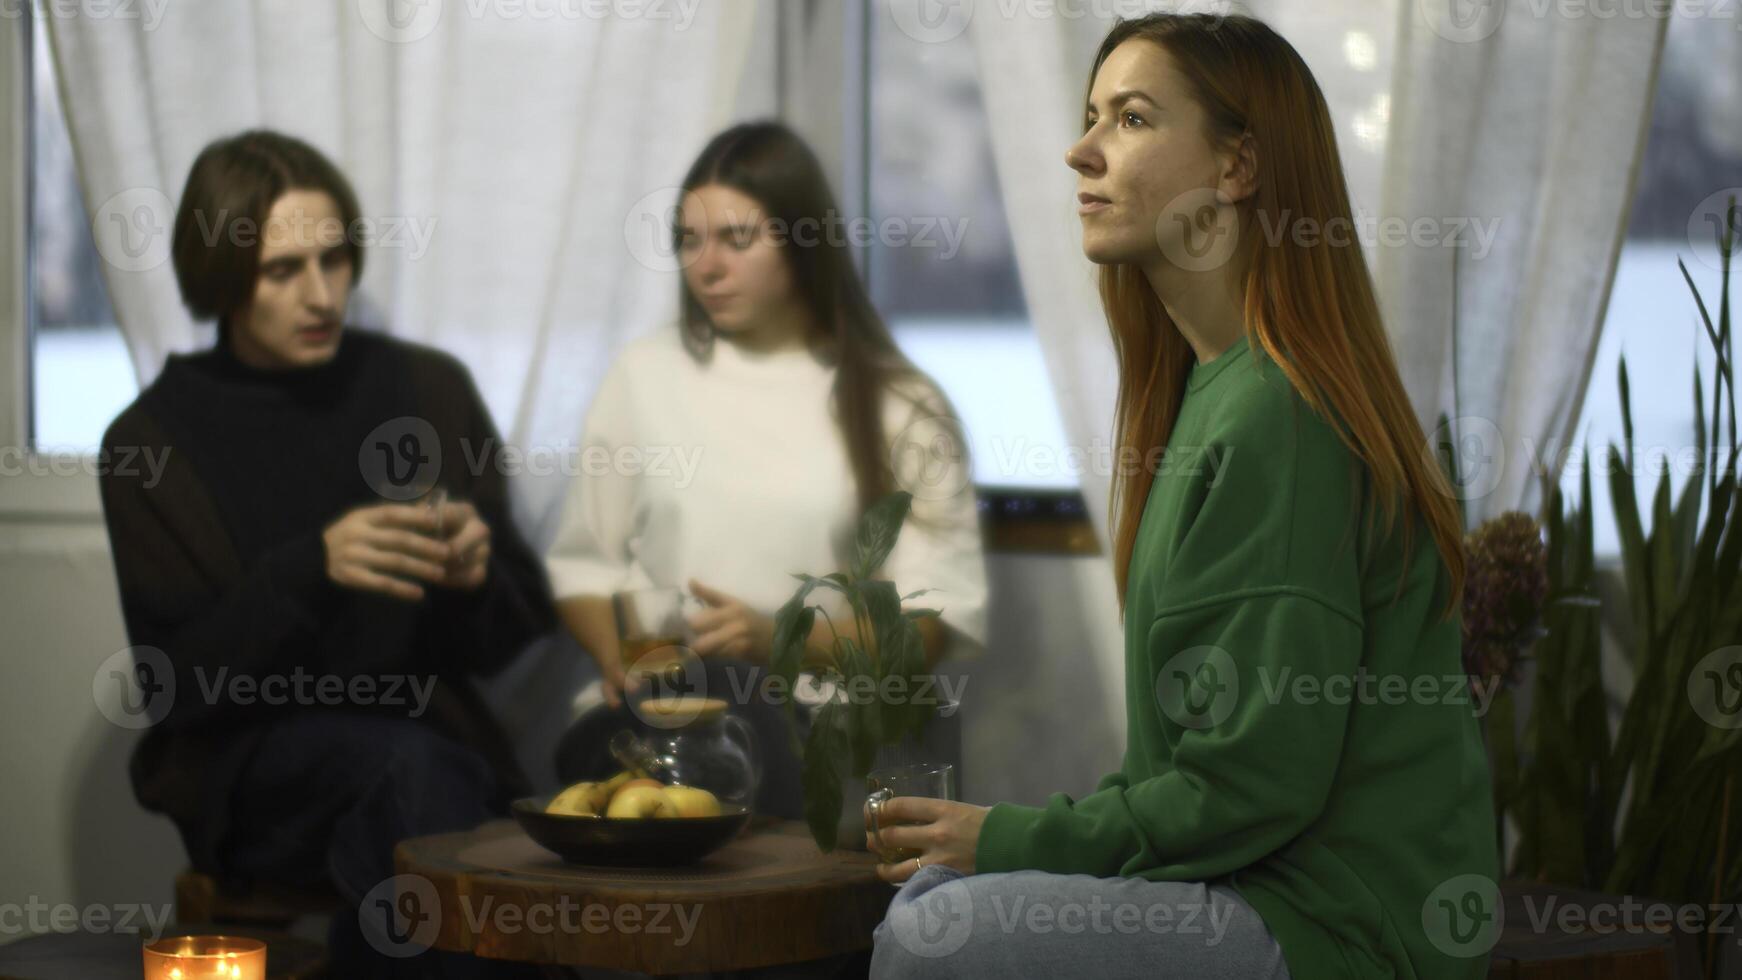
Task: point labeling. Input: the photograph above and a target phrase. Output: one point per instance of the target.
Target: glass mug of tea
(934, 779)
(654, 635)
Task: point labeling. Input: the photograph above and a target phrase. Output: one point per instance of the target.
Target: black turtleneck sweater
(222, 567)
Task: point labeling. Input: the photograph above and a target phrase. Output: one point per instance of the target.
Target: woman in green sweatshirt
(1304, 791)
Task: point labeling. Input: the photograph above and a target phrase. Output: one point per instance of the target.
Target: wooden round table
(769, 897)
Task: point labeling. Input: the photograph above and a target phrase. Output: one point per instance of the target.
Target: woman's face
(302, 287)
(732, 262)
(1145, 171)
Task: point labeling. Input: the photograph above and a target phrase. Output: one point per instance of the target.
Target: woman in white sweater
(746, 443)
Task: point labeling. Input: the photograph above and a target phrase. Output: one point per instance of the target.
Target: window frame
(15, 224)
(1016, 519)
(823, 90)
(30, 489)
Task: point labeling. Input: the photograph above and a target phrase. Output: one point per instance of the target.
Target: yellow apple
(642, 781)
(602, 792)
(639, 802)
(576, 801)
(692, 801)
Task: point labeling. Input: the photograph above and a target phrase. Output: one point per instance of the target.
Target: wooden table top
(769, 897)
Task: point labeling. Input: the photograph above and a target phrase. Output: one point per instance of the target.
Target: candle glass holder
(205, 958)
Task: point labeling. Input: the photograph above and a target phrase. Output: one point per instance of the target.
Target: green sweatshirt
(1296, 727)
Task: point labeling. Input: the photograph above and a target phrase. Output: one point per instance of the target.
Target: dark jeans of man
(323, 801)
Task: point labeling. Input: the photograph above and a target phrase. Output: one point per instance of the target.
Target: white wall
(72, 832)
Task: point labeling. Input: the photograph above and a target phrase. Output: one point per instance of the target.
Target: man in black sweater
(324, 559)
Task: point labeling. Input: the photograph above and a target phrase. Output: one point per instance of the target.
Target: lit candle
(205, 958)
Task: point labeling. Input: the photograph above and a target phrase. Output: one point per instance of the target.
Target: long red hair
(1312, 310)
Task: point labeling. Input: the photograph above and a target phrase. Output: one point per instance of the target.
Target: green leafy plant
(1555, 795)
(1672, 839)
(873, 704)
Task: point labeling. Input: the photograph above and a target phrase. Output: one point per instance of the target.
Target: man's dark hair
(231, 188)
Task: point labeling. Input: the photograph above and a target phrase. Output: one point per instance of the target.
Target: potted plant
(1649, 809)
(874, 684)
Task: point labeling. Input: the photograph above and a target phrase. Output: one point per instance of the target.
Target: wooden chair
(198, 899)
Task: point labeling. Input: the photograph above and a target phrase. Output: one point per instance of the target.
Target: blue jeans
(943, 923)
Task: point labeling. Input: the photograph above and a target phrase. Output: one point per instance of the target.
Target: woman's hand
(730, 628)
(943, 831)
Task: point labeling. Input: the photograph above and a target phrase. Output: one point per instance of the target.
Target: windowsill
(38, 488)
(1036, 521)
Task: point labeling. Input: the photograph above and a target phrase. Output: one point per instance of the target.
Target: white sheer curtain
(518, 167)
(512, 164)
(1034, 74)
(1532, 123)
(1516, 134)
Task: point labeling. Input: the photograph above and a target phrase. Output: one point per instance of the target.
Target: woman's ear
(1240, 176)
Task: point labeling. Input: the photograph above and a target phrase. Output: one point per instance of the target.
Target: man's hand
(386, 548)
(730, 628)
(468, 541)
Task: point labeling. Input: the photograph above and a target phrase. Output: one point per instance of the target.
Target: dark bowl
(625, 843)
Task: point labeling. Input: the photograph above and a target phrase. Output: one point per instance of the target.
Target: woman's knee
(929, 923)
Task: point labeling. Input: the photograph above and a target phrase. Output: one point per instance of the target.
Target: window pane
(1692, 156)
(81, 376)
(951, 294)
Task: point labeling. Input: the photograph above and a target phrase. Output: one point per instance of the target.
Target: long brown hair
(1312, 310)
(773, 166)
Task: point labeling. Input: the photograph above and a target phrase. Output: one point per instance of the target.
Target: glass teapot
(695, 742)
